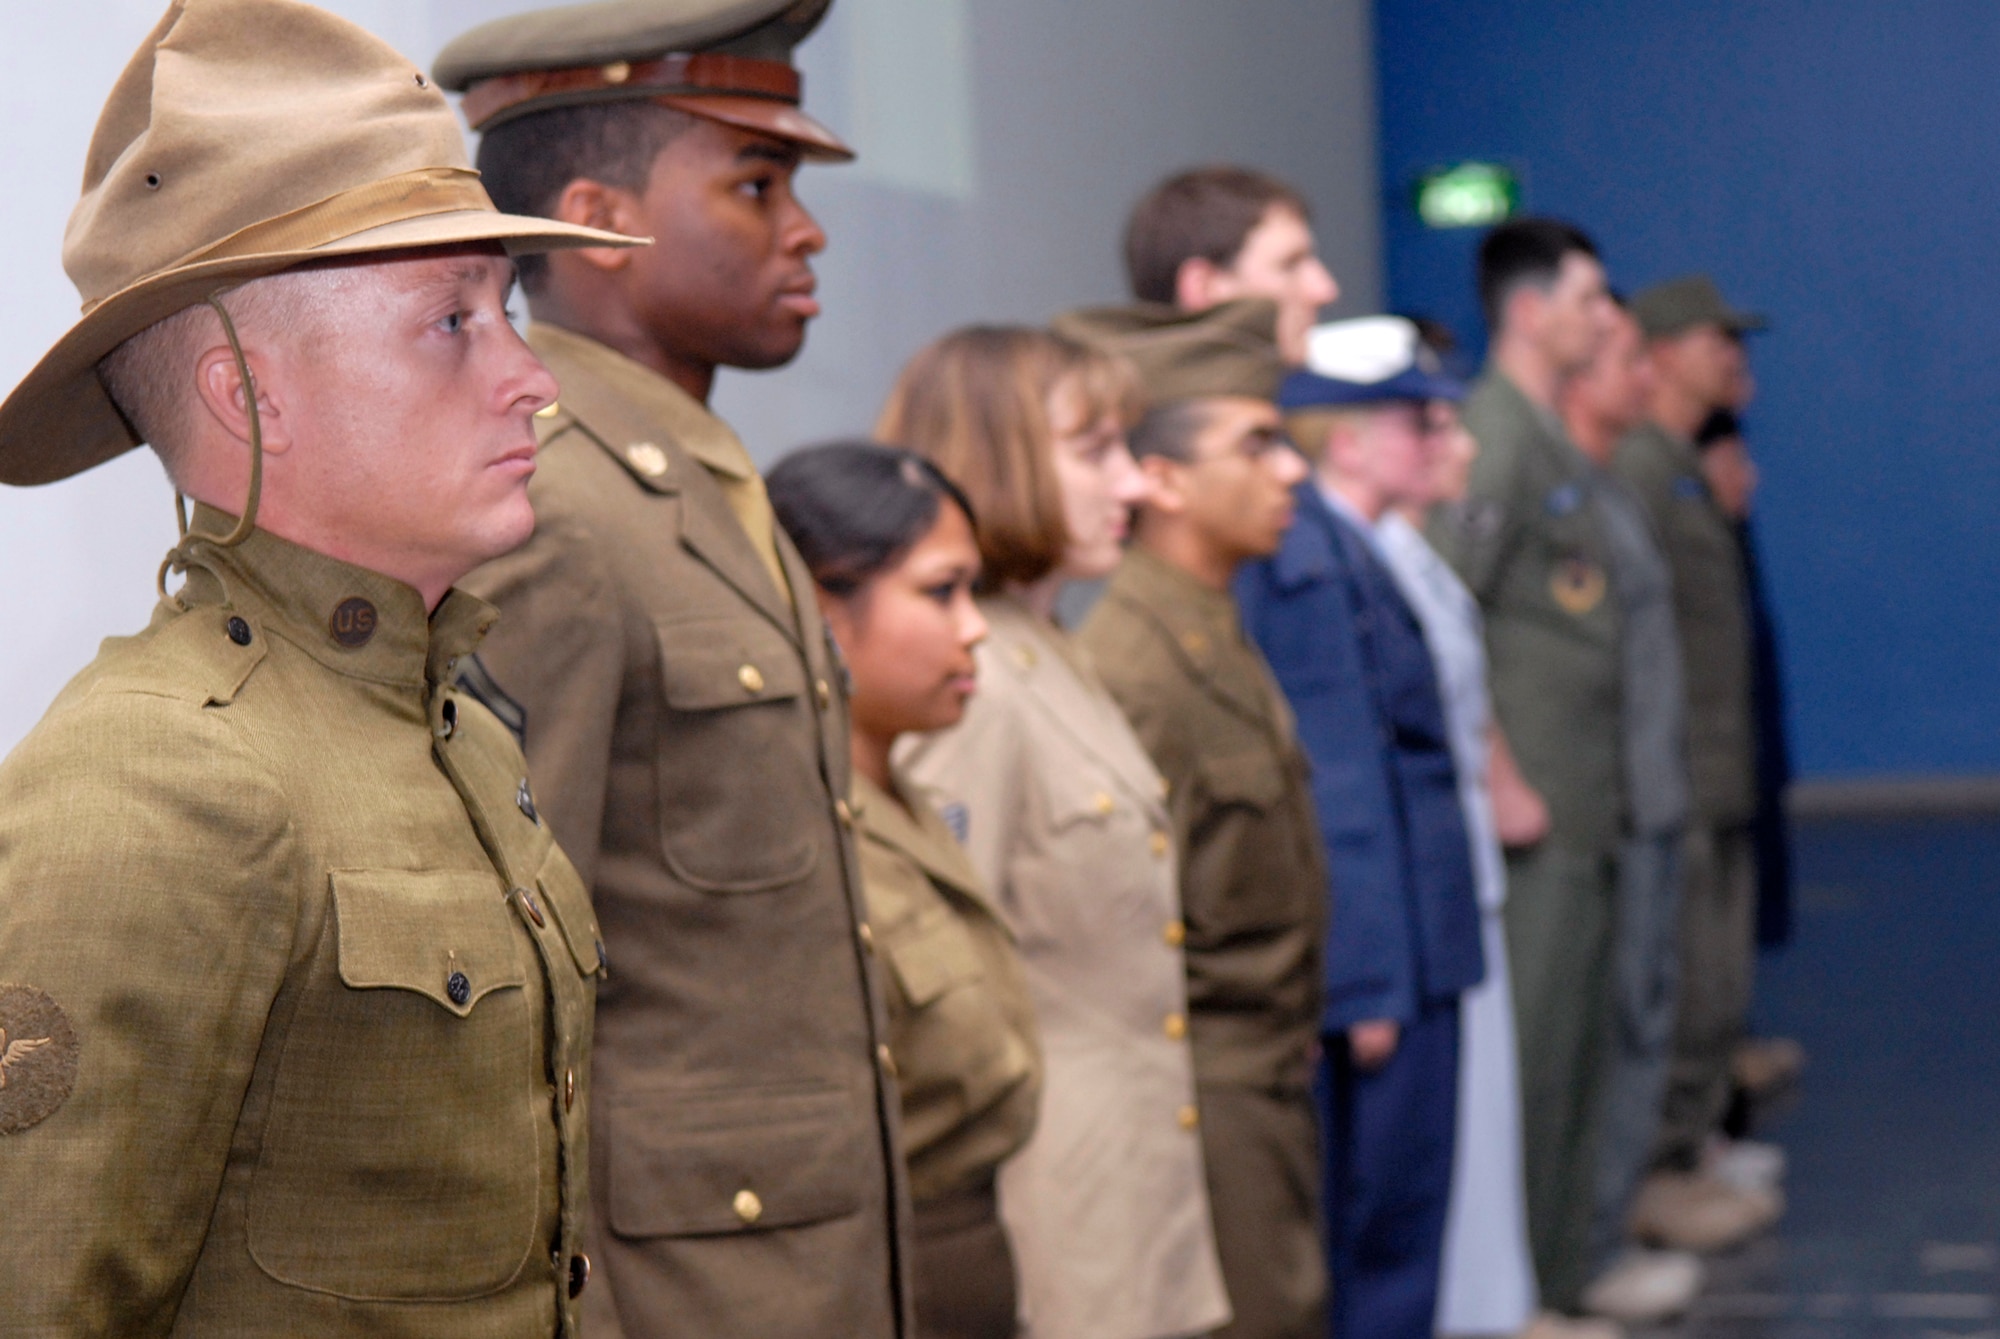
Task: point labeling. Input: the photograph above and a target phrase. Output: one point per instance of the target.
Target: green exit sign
(1469, 195)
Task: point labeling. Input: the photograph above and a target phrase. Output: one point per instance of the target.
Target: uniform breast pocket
(742, 806)
(400, 1159)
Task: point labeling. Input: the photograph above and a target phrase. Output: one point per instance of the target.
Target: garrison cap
(727, 60)
(1367, 360)
(245, 137)
(1684, 303)
(1231, 349)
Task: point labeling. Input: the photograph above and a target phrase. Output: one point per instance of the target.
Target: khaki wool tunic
(961, 1022)
(280, 897)
(688, 742)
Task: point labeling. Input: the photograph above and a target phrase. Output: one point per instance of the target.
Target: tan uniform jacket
(1253, 882)
(324, 979)
(961, 1023)
(686, 734)
(1710, 614)
(1066, 824)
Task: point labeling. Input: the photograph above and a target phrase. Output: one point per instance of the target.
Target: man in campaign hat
(1351, 656)
(684, 717)
(1167, 641)
(296, 1025)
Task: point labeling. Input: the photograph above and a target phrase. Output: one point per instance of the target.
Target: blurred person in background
(892, 552)
(1169, 643)
(1064, 819)
(1215, 234)
(1352, 658)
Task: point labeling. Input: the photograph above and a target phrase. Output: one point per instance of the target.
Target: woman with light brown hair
(1064, 818)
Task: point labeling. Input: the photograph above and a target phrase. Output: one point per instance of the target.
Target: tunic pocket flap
(932, 957)
(1253, 779)
(563, 890)
(708, 664)
(445, 934)
(706, 1163)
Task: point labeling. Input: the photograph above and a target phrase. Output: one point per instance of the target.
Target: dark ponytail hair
(854, 508)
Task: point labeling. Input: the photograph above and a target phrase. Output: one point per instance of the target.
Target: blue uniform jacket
(1351, 658)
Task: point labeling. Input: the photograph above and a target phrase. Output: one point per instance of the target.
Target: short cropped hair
(1205, 212)
(1525, 252)
(855, 508)
(1168, 430)
(976, 404)
(529, 161)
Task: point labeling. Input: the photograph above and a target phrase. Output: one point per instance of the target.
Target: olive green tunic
(282, 899)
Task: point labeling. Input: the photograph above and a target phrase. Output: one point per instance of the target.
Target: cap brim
(766, 116)
(1305, 389)
(58, 421)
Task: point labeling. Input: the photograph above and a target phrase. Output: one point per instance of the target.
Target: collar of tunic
(916, 833)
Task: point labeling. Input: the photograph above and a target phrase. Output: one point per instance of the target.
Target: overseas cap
(1368, 360)
(728, 60)
(1227, 350)
(1692, 300)
(245, 137)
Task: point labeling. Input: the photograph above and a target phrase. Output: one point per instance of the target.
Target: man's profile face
(1238, 478)
(1396, 453)
(410, 402)
(1577, 312)
(1708, 364)
(728, 280)
(1280, 261)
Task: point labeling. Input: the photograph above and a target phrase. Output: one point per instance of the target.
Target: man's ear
(1169, 479)
(592, 204)
(1200, 284)
(218, 385)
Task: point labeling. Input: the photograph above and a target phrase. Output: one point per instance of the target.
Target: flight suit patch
(958, 819)
(1578, 585)
(38, 1057)
(1563, 500)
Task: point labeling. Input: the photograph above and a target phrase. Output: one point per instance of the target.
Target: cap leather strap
(679, 73)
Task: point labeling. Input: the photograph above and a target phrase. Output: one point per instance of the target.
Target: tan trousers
(1718, 958)
(1264, 1179)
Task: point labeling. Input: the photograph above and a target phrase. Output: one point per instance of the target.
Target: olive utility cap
(1684, 303)
(727, 60)
(1227, 350)
(244, 138)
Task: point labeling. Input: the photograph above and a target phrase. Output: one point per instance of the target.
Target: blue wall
(1835, 164)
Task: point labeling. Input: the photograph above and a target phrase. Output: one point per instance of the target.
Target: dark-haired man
(679, 699)
(1215, 234)
(1536, 557)
(1167, 640)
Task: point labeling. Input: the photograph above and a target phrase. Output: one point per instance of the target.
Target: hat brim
(58, 421)
(766, 116)
(1305, 389)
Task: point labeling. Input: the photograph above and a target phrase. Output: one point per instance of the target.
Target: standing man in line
(1696, 341)
(295, 1038)
(1216, 234)
(680, 701)
(1168, 643)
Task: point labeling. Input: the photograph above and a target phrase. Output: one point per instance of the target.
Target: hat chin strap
(182, 556)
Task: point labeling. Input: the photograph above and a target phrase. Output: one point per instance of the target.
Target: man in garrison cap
(684, 717)
(296, 1021)
(1168, 643)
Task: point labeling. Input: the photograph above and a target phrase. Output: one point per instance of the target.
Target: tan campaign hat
(245, 137)
(1227, 350)
(727, 60)
(1684, 303)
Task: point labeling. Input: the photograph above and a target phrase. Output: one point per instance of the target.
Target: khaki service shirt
(1253, 877)
(688, 741)
(303, 982)
(961, 1023)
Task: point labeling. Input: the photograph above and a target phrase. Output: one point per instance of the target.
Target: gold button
(845, 810)
(751, 678)
(646, 458)
(748, 1207)
(1102, 803)
(1188, 1117)
(1175, 934)
(569, 1089)
(887, 1060)
(1166, 788)
(1176, 1026)
(549, 410)
(1195, 643)
(824, 692)
(617, 72)
(1026, 655)
(867, 937)
(1161, 845)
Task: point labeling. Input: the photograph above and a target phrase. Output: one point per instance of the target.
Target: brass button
(1026, 655)
(887, 1061)
(823, 691)
(529, 905)
(646, 458)
(579, 1274)
(751, 678)
(748, 1207)
(549, 410)
(1175, 934)
(1103, 803)
(1175, 1026)
(617, 72)
(845, 811)
(569, 1090)
(867, 937)
(1195, 642)
(1166, 788)
(1161, 844)
(1188, 1117)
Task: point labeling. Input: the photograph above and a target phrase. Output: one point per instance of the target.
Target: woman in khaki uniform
(1064, 818)
(890, 545)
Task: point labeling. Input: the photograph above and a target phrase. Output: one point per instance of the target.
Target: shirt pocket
(708, 1162)
(742, 807)
(931, 954)
(400, 1159)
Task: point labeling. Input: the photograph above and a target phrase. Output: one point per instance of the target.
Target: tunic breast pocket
(1105, 863)
(400, 1159)
(742, 804)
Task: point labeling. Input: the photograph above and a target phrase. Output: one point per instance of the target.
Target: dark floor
(1893, 985)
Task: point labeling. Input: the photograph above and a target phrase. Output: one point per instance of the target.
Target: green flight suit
(312, 981)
